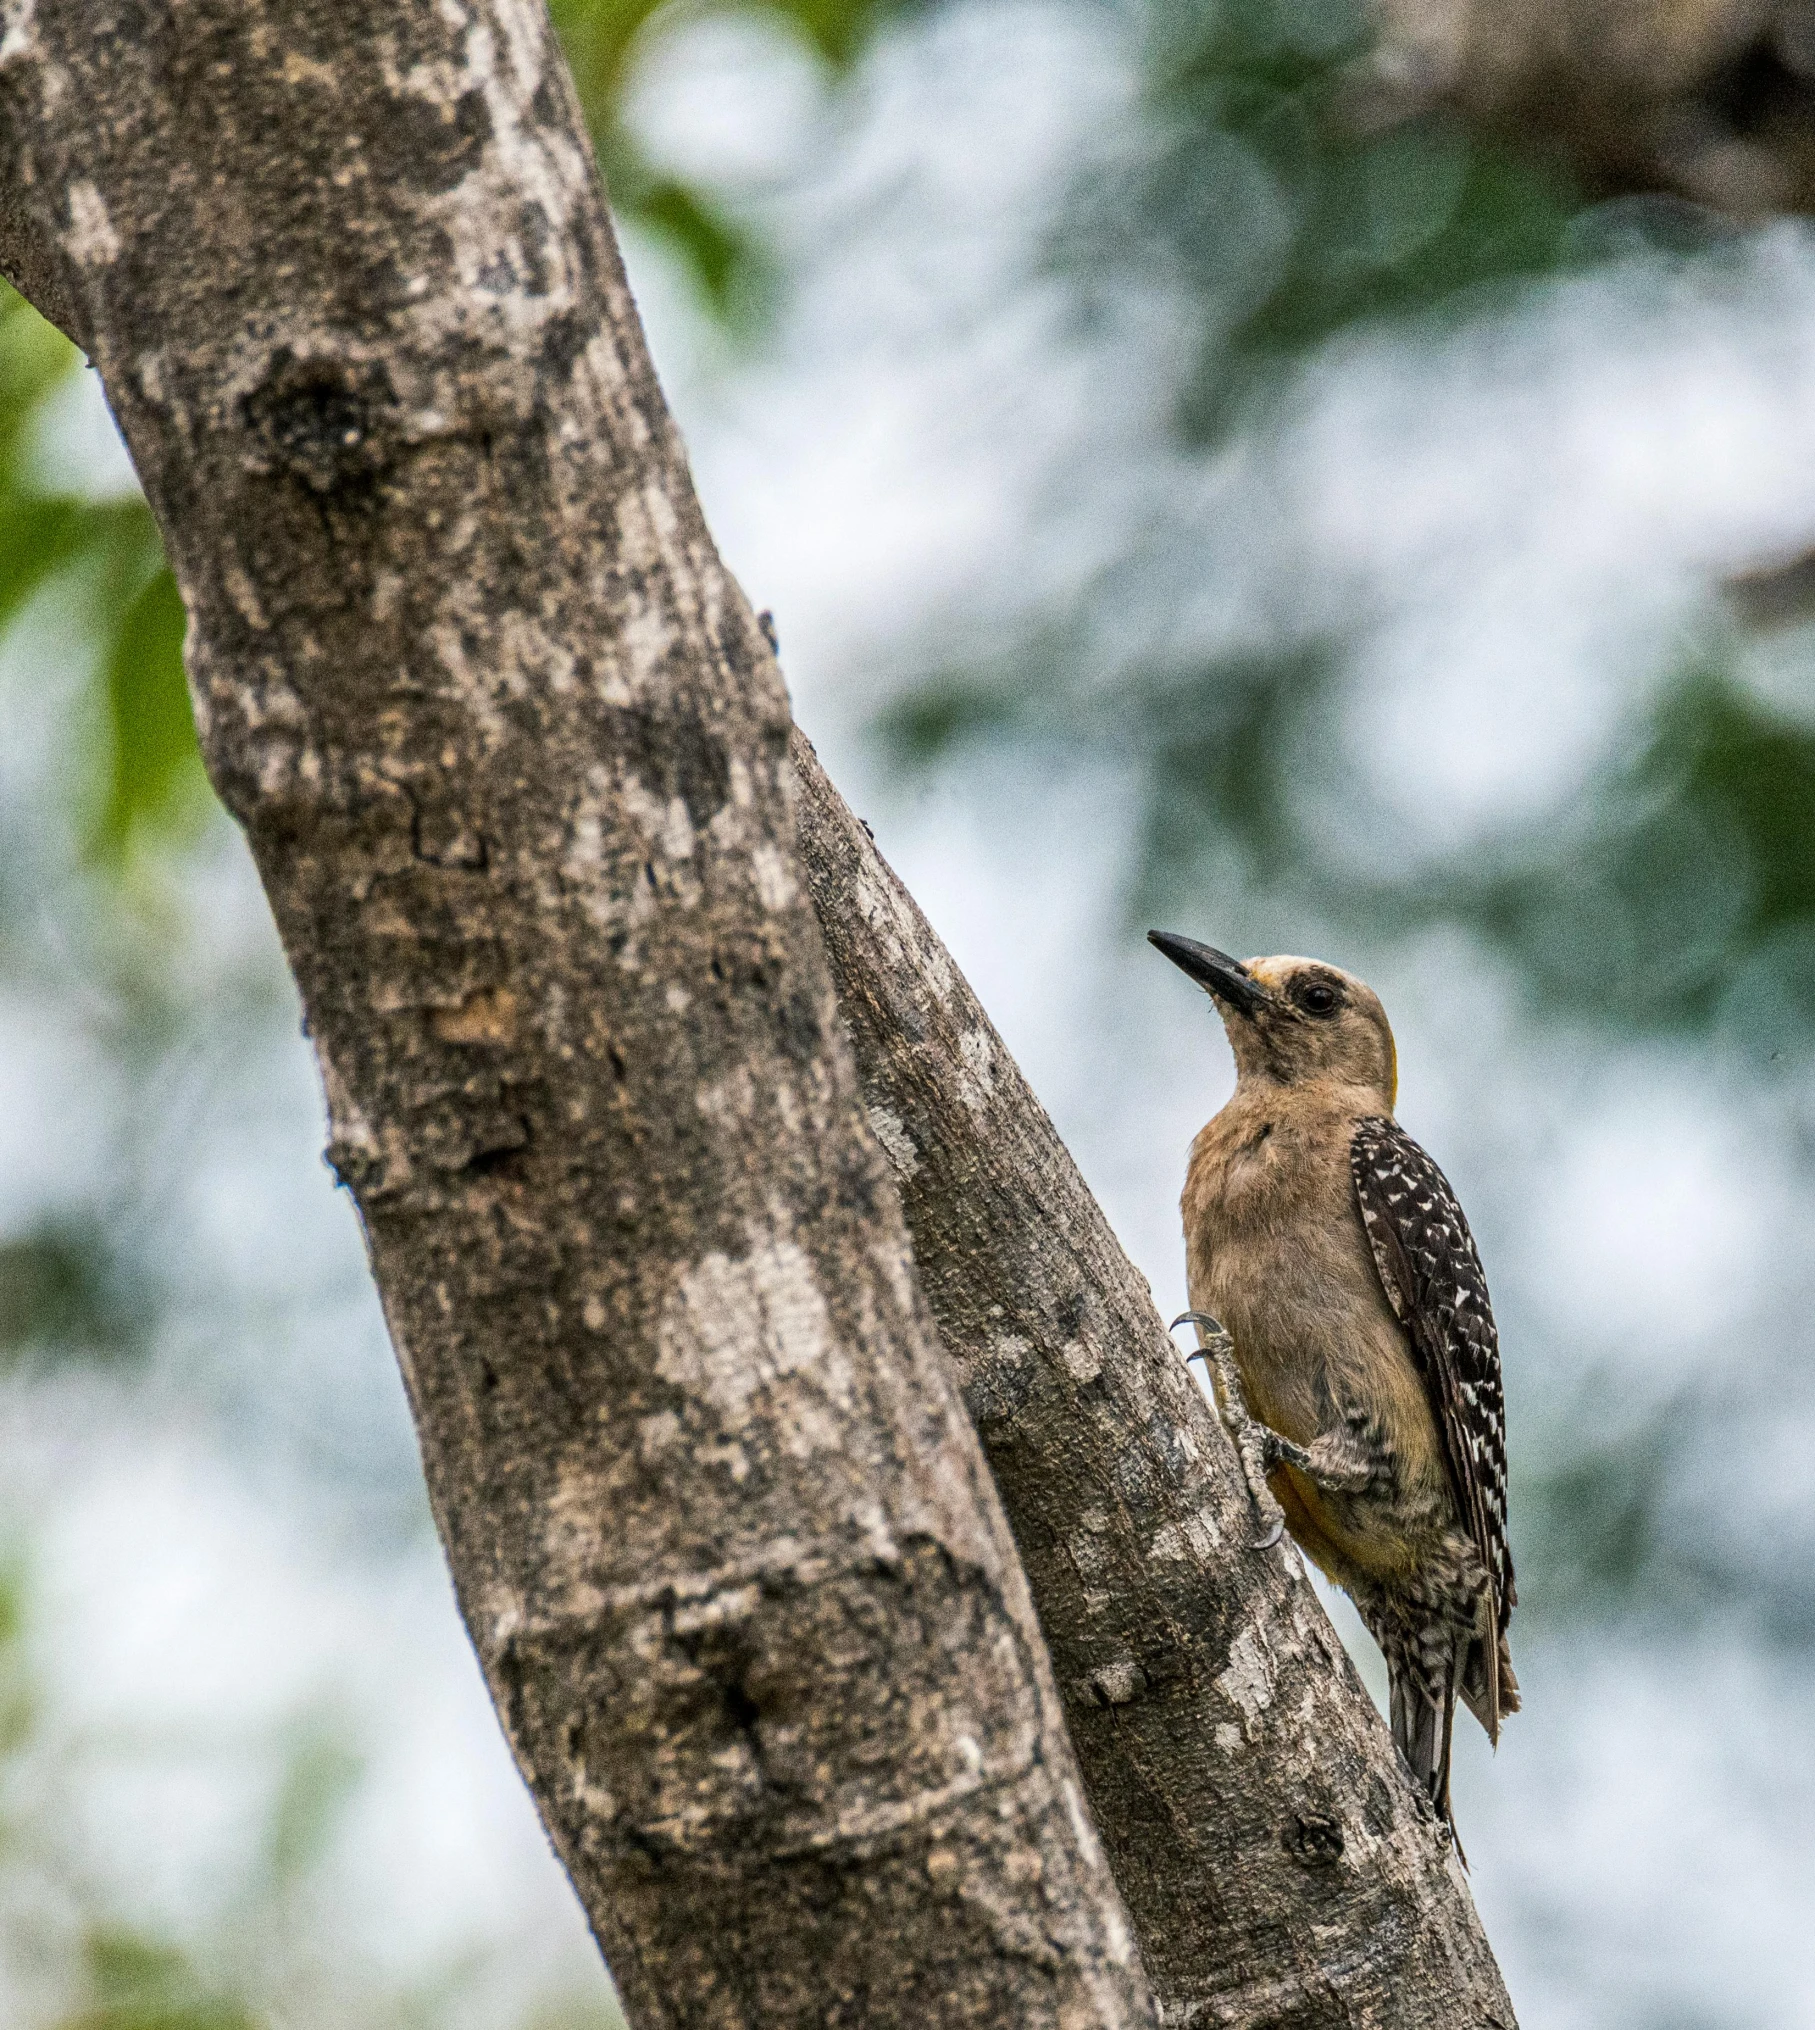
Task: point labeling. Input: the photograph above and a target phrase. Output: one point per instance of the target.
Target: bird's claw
(1253, 1440)
(1213, 1329)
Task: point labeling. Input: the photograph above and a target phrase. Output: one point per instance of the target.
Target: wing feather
(1433, 1279)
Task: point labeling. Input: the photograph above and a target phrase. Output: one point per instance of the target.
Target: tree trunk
(1278, 1866)
(511, 754)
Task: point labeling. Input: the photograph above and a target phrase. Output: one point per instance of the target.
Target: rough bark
(1712, 100)
(30, 262)
(511, 755)
(1279, 1867)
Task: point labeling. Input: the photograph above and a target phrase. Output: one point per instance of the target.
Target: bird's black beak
(1228, 979)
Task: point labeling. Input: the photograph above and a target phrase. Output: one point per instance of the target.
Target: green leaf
(321, 1773)
(596, 36)
(155, 777)
(34, 357)
(730, 261)
(138, 1983)
(1264, 199)
(731, 265)
(65, 1290)
(839, 29)
(942, 716)
(39, 537)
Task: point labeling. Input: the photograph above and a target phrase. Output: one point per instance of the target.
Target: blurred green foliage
(1680, 890)
(108, 555)
(1689, 886)
(1670, 896)
(125, 1980)
(67, 1290)
(1677, 895)
(723, 251)
(1265, 199)
(141, 1984)
(153, 761)
(321, 1773)
(252, 1963)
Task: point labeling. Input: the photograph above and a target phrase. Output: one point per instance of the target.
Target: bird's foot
(1346, 1460)
(1257, 1446)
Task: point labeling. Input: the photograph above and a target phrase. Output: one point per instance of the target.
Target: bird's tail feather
(1489, 1688)
(1422, 1727)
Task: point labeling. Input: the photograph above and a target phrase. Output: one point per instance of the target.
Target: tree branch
(1713, 100)
(510, 752)
(1277, 1864)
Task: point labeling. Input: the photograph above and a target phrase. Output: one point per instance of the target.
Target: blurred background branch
(1713, 100)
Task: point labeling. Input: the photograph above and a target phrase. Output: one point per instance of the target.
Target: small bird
(1342, 1309)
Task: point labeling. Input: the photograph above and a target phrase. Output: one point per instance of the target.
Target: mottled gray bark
(511, 755)
(1279, 1866)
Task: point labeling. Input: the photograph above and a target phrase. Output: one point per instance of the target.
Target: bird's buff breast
(1276, 1250)
(1271, 1247)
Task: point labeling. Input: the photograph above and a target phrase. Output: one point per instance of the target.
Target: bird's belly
(1356, 1540)
(1291, 1317)
(1315, 1344)
(1347, 1555)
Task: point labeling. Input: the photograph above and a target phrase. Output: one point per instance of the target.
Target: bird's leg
(1256, 1445)
(1340, 1461)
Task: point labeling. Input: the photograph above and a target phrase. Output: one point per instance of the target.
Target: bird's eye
(1317, 998)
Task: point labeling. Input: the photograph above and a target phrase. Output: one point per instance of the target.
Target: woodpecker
(1342, 1310)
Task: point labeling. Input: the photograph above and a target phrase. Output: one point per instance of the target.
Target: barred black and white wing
(1433, 1279)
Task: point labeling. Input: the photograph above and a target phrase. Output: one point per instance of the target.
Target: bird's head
(1293, 1021)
